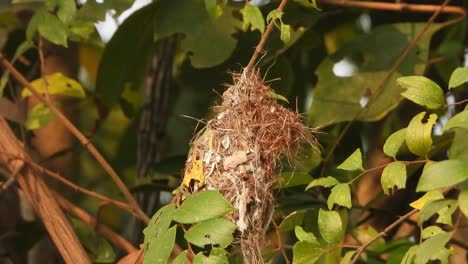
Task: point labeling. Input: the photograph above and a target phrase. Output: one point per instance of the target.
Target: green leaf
(158, 224)
(427, 197)
(308, 3)
(366, 234)
(459, 77)
(159, 250)
(353, 162)
(285, 33)
(373, 55)
(65, 9)
(408, 258)
(274, 15)
(305, 236)
(212, 259)
(422, 91)
(459, 120)
(202, 206)
(340, 195)
(125, 58)
(181, 258)
(434, 248)
(216, 231)
(52, 29)
(292, 220)
(459, 148)
(431, 231)
(394, 175)
(463, 201)
(305, 252)
(394, 142)
(208, 42)
(38, 117)
(418, 133)
(330, 226)
(291, 179)
(56, 84)
(253, 18)
(328, 181)
(347, 257)
(277, 96)
(442, 207)
(442, 174)
(214, 9)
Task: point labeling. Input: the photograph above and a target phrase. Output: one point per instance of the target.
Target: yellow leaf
(56, 84)
(429, 196)
(195, 172)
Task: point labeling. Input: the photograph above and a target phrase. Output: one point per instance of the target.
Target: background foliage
(388, 183)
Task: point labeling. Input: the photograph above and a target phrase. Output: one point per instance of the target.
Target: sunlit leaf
(39, 116)
(442, 174)
(434, 248)
(459, 120)
(302, 235)
(463, 201)
(274, 15)
(50, 27)
(216, 231)
(328, 181)
(422, 91)
(202, 206)
(56, 84)
(394, 143)
(429, 196)
(158, 225)
(459, 77)
(181, 258)
(353, 162)
(305, 252)
(65, 9)
(214, 8)
(340, 195)
(277, 96)
(418, 133)
(330, 226)
(253, 18)
(431, 231)
(347, 257)
(394, 175)
(285, 33)
(443, 207)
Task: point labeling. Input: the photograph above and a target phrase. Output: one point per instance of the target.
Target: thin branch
(280, 241)
(361, 249)
(110, 235)
(263, 40)
(398, 7)
(83, 140)
(399, 61)
(458, 103)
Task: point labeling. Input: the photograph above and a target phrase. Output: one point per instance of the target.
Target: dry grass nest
(240, 149)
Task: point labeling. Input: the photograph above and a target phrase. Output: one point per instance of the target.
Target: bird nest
(238, 154)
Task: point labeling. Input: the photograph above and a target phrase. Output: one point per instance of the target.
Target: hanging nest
(237, 154)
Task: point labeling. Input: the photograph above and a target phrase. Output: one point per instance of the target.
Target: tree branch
(83, 140)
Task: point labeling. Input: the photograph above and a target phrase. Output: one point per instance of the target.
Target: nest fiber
(238, 152)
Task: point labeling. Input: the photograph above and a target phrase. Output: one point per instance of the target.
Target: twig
(458, 103)
(381, 234)
(83, 140)
(396, 65)
(110, 235)
(398, 7)
(280, 241)
(263, 40)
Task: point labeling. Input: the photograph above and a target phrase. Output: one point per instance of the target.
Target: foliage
(388, 118)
